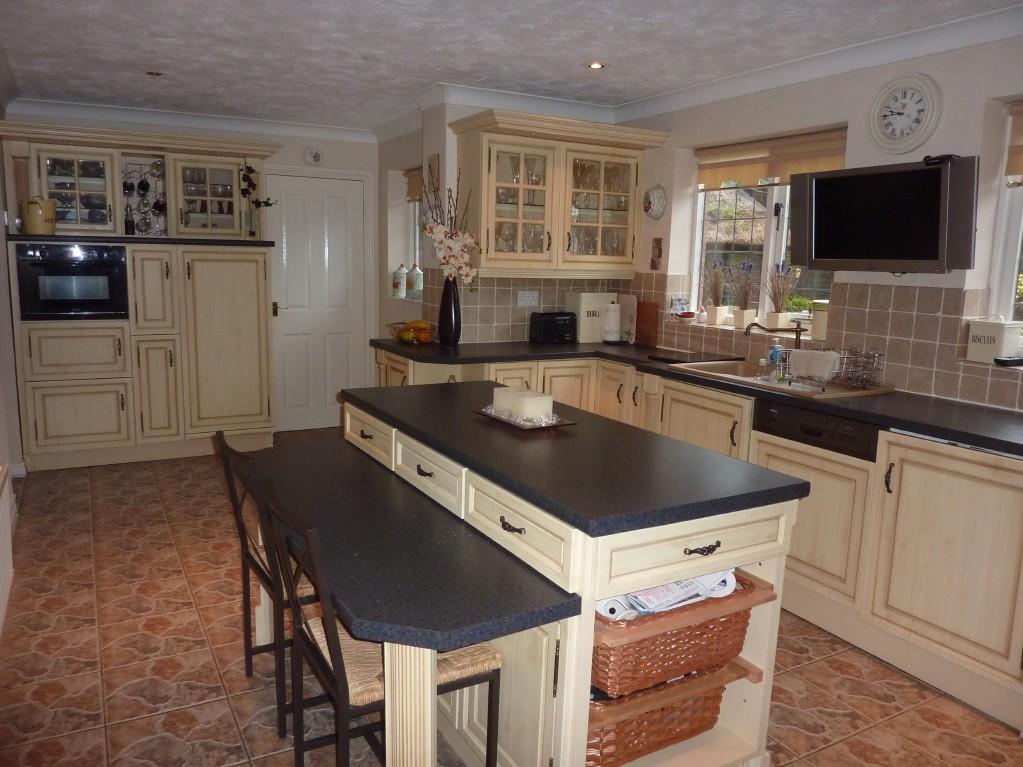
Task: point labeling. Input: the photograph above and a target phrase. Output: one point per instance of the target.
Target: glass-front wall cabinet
(520, 202)
(601, 208)
(207, 196)
(81, 184)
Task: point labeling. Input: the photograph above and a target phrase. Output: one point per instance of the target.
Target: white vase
(744, 317)
(777, 320)
(716, 315)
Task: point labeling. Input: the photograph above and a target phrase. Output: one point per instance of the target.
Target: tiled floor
(122, 646)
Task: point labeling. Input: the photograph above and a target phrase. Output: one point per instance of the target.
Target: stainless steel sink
(742, 371)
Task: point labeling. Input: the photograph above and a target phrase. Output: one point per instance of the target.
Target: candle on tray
(532, 405)
(504, 396)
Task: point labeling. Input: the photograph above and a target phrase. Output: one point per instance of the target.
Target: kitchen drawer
(426, 469)
(544, 543)
(644, 558)
(75, 350)
(370, 435)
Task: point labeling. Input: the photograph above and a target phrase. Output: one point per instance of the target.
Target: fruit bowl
(414, 332)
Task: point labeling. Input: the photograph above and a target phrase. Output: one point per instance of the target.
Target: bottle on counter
(398, 281)
(129, 222)
(414, 283)
(774, 359)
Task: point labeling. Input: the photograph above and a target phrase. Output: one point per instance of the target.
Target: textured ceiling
(356, 63)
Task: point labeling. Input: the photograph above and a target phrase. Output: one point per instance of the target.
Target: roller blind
(750, 162)
(1014, 163)
(414, 181)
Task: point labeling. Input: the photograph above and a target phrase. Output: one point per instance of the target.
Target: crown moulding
(135, 139)
(559, 129)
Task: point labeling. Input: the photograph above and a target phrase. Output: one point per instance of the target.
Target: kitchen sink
(745, 372)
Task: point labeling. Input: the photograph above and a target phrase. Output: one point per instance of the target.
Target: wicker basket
(625, 729)
(633, 655)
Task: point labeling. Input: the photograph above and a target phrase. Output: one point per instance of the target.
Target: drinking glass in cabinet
(536, 170)
(67, 207)
(507, 202)
(507, 168)
(93, 208)
(194, 181)
(616, 177)
(92, 175)
(221, 182)
(612, 242)
(616, 209)
(584, 207)
(532, 238)
(506, 237)
(584, 240)
(586, 174)
(60, 174)
(195, 206)
(533, 204)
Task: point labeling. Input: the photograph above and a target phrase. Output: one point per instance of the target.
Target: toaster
(552, 328)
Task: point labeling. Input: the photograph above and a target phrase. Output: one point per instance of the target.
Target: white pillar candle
(504, 396)
(532, 405)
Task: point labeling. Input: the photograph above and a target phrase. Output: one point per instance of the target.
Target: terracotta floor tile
(52, 579)
(31, 551)
(203, 532)
(127, 493)
(199, 736)
(117, 516)
(959, 736)
(217, 586)
(804, 718)
(213, 555)
(158, 636)
(865, 684)
(778, 754)
(50, 615)
(155, 686)
(137, 600)
(53, 524)
(231, 661)
(223, 622)
(50, 656)
(156, 564)
(197, 488)
(876, 747)
(800, 642)
(81, 749)
(51, 708)
(257, 716)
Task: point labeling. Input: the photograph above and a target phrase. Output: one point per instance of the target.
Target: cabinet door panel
(158, 389)
(80, 181)
(526, 719)
(152, 280)
(76, 350)
(519, 374)
(950, 563)
(600, 200)
(569, 382)
(81, 413)
(208, 197)
(612, 395)
(226, 339)
(707, 418)
(827, 536)
(395, 371)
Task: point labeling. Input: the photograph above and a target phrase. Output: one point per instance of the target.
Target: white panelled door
(319, 286)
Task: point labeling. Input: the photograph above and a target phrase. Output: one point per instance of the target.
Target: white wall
(974, 81)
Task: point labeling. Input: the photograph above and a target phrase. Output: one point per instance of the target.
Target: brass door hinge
(557, 664)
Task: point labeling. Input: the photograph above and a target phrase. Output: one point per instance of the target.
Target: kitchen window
(1007, 269)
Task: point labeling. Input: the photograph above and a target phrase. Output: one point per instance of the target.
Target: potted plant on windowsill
(741, 282)
(782, 279)
(714, 293)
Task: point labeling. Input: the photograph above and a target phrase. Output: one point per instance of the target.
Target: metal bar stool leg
(297, 723)
(247, 616)
(279, 672)
(493, 712)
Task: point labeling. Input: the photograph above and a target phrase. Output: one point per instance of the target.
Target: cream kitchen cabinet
(392, 370)
(613, 391)
(395, 370)
(549, 195)
(209, 202)
(153, 270)
(80, 413)
(158, 389)
(569, 381)
(68, 350)
(520, 374)
(826, 542)
(707, 418)
(647, 395)
(950, 551)
(227, 349)
(81, 182)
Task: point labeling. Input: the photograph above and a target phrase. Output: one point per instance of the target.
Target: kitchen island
(600, 509)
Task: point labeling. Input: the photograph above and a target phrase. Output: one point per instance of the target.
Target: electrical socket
(528, 298)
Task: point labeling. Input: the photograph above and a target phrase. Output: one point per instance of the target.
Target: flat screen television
(910, 217)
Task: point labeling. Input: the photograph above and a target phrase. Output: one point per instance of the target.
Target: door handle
(273, 308)
(181, 216)
(170, 358)
(548, 240)
(510, 528)
(403, 380)
(731, 434)
(166, 270)
(888, 478)
(119, 348)
(365, 434)
(569, 236)
(122, 402)
(635, 401)
(703, 551)
(618, 393)
(423, 472)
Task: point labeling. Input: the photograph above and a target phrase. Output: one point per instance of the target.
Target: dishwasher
(810, 427)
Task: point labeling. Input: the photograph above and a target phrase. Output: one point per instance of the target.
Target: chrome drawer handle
(423, 472)
(703, 550)
(365, 434)
(508, 527)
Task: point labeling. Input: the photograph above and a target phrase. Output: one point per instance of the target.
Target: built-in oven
(72, 282)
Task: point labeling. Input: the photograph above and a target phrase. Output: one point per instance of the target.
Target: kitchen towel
(807, 364)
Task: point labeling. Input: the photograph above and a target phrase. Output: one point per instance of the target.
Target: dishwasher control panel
(810, 427)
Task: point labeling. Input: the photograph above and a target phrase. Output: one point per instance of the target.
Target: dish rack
(855, 368)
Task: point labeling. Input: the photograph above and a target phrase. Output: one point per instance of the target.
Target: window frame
(1005, 268)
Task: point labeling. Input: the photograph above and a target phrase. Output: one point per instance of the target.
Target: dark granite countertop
(963, 423)
(599, 475)
(403, 568)
(117, 239)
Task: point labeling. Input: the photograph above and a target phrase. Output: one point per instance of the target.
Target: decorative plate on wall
(905, 113)
(655, 200)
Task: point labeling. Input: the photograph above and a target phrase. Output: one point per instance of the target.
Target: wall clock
(905, 113)
(655, 200)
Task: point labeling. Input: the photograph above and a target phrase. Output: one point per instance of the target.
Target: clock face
(905, 113)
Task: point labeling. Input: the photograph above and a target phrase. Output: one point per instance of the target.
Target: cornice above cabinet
(559, 129)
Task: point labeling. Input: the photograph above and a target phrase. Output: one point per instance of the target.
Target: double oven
(72, 282)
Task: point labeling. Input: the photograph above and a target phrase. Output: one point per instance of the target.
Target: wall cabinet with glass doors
(81, 183)
(208, 197)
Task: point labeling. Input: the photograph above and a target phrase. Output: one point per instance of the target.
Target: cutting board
(646, 323)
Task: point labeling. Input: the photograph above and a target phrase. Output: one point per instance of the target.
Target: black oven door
(72, 282)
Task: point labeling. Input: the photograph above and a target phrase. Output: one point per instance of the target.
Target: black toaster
(552, 328)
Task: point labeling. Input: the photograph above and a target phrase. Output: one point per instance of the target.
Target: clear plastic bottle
(774, 359)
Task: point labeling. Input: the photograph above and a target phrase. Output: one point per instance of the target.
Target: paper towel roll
(616, 609)
(611, 322)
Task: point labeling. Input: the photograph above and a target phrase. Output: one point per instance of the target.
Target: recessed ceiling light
(595, 65)
(154, 73)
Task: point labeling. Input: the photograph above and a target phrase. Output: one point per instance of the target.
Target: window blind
(1014, 162)
(752, 162)
(414, 182)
